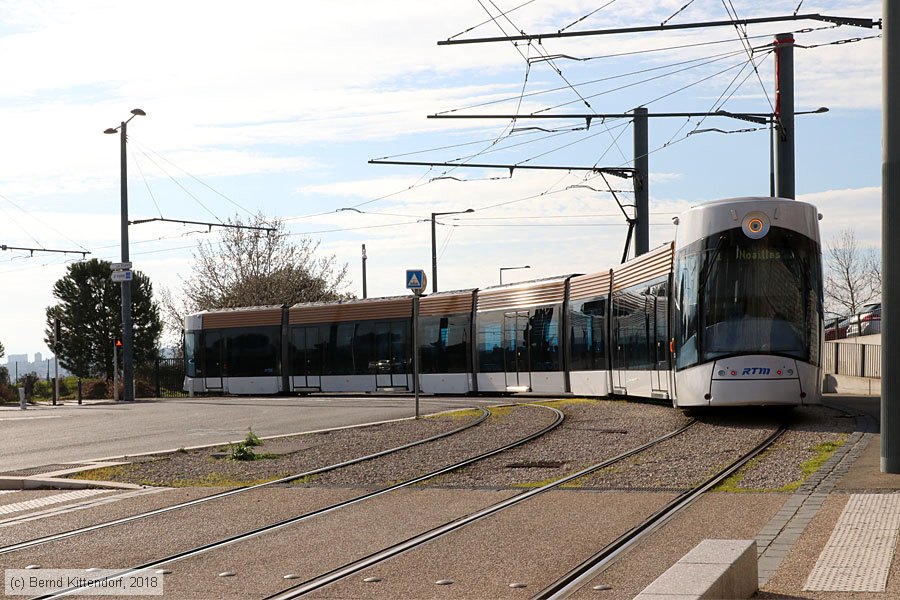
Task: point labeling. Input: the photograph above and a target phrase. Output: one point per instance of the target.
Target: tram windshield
(738, 295)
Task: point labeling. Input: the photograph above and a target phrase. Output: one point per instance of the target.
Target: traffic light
(118, 342)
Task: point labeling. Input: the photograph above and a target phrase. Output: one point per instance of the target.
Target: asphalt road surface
(46, 435)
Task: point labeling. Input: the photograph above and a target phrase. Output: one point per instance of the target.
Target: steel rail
(217, 496)
(306, 516)
(364, 563)
(575, 579)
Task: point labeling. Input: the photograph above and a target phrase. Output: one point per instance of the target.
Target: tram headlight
(755, 225)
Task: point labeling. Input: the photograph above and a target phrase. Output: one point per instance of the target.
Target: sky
(277, 106)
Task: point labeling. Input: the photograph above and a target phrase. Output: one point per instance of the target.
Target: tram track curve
(246, 535)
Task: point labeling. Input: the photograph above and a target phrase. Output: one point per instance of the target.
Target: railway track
(578, 577)
(237, 491)
(357, 566)
(246, 535)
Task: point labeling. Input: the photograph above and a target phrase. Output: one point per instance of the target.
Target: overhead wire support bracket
(208, 224)
(622, 172)
(855, 22)
(83, 253)
(760, 118)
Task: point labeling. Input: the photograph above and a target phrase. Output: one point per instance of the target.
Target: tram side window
(253, 351)
(587, 323)
(543, 334)
(339, 359)
(444, 344)
(489, 334)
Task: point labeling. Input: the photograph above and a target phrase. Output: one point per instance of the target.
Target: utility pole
(784, 114)
(127, 326)
(641, 183)
(890, 248)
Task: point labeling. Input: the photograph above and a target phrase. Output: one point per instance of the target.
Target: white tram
(748, 318)
(728, 314)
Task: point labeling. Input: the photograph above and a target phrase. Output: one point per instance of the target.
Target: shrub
(96, 389)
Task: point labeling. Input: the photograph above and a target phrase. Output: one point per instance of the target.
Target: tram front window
(745, 296)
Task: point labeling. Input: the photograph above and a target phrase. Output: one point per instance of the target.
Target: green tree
(90, 314)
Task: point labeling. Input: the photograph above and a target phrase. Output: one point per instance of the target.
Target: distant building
(16, 358)
(38, 357)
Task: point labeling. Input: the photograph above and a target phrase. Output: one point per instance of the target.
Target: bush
(7, 392)
(96, 389)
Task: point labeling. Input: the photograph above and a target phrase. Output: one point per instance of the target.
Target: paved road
(47, 435)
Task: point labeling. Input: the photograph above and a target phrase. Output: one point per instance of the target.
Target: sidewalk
(836, 536)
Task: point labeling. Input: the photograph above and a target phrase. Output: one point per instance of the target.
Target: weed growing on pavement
(252, 439)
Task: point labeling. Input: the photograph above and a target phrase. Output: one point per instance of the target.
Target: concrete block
(722, 569)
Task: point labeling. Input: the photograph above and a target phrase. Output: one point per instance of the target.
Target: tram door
(391, 360)
(660, 342)
(213, 358)
(515, 350)
(620, 358)
(306, 363)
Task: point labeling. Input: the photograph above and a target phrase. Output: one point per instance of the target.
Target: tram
(730, 313)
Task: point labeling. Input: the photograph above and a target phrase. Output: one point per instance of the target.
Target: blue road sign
(415, 279)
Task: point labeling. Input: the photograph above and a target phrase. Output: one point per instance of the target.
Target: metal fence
(165, 378)
(858, 360)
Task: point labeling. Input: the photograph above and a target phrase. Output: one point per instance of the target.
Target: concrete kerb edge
(88, 465)
(39, 482)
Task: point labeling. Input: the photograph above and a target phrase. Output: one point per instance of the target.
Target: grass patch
(305, 480)
(501, 411)
(463, 413)
(823, 452)
(567, 402)
(101, 474)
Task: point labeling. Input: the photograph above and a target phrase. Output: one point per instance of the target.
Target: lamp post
(127, 327)
(510, 269)
(434, 287)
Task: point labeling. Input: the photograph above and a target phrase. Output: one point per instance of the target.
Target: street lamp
(434, 288)
(510, 269)
(127, 327)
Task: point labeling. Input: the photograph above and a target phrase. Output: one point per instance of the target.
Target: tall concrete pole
(433, 257)
(641, 183)
(784, 113)
(127, 327)
(890, 247)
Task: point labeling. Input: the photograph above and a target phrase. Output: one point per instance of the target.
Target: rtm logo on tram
(756, 371)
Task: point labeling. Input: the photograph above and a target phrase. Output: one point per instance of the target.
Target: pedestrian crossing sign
(415, 279)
